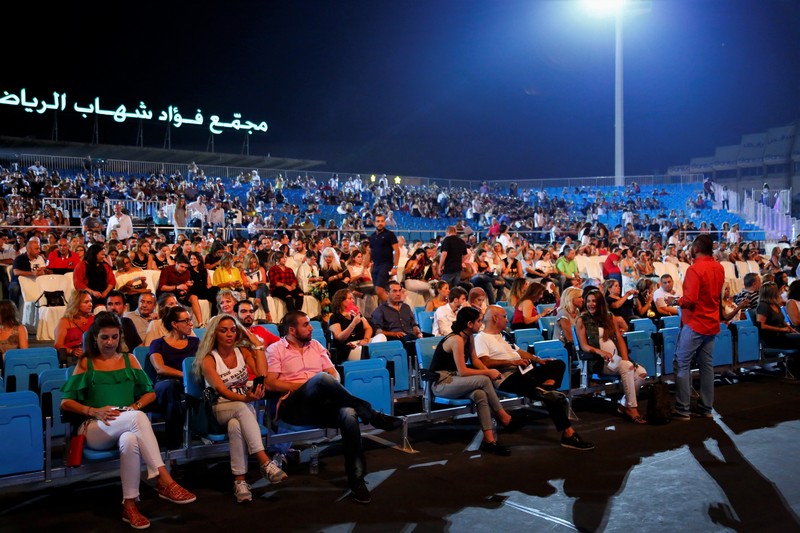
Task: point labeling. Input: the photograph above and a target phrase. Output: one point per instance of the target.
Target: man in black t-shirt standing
(384, 254)
(453, 251)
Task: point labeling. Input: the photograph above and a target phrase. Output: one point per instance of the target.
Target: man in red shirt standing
(700, 305)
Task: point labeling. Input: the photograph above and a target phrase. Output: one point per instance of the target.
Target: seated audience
(775, 332)
(13, 334)
(350, 330)
(440, 298)
(525, 313)
(71, 327)
(394, 318)
(166, 357)
(546, 375)
(103, 380)
(445, 315)
(666, 297)
(457, 380)
(223, 365)
(598, 334)
(300, 369)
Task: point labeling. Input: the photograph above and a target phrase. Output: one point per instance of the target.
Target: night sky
(472, 89)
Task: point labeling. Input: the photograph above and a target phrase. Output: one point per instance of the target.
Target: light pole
(619, 108)
(618, 8)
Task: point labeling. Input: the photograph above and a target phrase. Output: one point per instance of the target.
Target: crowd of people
(365, 286)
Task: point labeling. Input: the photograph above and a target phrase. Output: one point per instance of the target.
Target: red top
(702, 289)
(610, 266)
(281, 275)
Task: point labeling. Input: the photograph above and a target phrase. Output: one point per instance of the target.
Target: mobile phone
(258, 380)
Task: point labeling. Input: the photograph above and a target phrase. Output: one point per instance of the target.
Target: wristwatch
(139, 406)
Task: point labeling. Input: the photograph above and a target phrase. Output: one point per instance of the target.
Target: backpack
(659, 404)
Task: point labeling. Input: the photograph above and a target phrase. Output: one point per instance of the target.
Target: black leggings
(293, 299)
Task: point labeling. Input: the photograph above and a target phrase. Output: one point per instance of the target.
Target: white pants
(355, 353)
(631, 378)
(243, 432)
(132, 432)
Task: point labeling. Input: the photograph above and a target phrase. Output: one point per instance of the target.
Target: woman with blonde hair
(71, 327)
(567, 315)
(227, 276)
(223, 360)
(332, 272)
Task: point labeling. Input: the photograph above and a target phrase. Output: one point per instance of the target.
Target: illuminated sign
(121, 113)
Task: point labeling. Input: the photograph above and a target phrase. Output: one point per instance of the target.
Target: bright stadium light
(618, 9)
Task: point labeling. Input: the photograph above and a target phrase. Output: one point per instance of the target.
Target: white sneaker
(242, 491)
(273, 472)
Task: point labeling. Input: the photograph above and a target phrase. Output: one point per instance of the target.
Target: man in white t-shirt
(666, 297)
(445, 315)
(525, 374)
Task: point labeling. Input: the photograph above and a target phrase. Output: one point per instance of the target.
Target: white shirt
(197, 210)
(494, 346)
(123, 224)
(443, 319)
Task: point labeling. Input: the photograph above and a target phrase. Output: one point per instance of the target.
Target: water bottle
(313, 468)
(279, 459)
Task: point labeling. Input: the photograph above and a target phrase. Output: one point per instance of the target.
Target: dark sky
(475, 89)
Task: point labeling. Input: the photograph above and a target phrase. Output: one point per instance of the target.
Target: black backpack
(659, 404)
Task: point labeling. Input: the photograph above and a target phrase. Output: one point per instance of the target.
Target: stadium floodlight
(618, 9)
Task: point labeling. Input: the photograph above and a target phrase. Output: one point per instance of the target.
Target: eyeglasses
(185, 320)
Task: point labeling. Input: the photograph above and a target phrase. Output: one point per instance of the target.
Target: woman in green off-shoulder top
(111, 389)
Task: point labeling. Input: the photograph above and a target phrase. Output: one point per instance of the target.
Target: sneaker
(386, 422)
(273, 473)
(132, 516)
(697, 413)
(242, 491)
(575, 442)
(175, 493)
(678, 415)
(495, 448)
(360, 492)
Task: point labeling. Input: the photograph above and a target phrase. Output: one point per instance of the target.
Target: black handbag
(202, 420)
(51, 299)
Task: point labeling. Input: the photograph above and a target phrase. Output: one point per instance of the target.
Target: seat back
(546, 325)
(393, 351)
(525, 338)
(193, 385)
(426, 321)
(199, 332)
(272, 328)
(369, 381)
(426, 347)
(748, 349)
(554, 350)
(671, 321)
(541, 308)
(25, 364)
(50, 396)
(643, 324)
(22, 445)
(723, 348)
(668, 343)
(641, 350)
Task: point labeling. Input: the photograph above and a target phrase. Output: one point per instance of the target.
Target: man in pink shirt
(700, 316)
(301, 368)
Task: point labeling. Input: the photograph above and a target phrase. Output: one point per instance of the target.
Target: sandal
(638, 419)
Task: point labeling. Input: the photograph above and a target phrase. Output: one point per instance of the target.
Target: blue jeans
(323, 401)
(694, 346)
(452, 278)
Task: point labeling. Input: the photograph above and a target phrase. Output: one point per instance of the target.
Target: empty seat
(393, 351)
(369, 382)
(23, 365)
(22, 444)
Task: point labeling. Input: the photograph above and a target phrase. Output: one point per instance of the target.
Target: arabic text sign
(171, 115)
